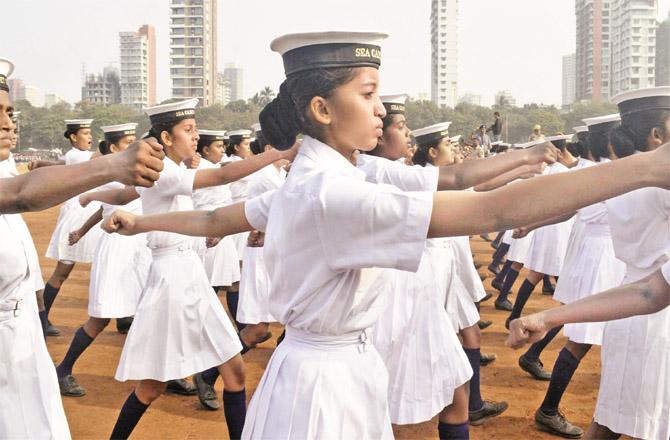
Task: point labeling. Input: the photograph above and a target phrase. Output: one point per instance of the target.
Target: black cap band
(111, 135)
(3, 83)
(644, 104)
(331, 55)
(74, 127)
(603, 127)
(394, 109)
(431, 138)
(582, 136)
(209, 138)
(173, 116)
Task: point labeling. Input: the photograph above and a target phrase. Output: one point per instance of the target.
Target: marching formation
(333, 219)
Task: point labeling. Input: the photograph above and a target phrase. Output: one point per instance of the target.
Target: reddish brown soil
(175, 417)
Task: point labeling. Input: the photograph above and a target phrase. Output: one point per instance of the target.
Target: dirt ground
(176, 417)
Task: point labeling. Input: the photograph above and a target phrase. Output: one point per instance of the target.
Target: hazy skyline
(515, 45)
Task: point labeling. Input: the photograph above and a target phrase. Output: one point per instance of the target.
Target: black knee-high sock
(510, 279)
(235, 410)
(546, 281)
(521, 298)
(131, 413)
(210, 376)
(80, 342)
(496, 241)
(232, 299)
(43, 321)
(535, 350)
(474, 357)
(499, 254)
(504, 271)
(564, 368)
(449, 431)
(50, 294)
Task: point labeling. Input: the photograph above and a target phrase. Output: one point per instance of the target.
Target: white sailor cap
(603, 123)
(6, 69)
(529, 144)
(76, 124)
(210, 136)
(238, 135)
(558, 137)
(394, 104)
(455, 139)
(144, 135)
(635, 101)
(580, 129)
(431, 134)
(256, 127)
(119, 130)
(315, 50)
(173, 112)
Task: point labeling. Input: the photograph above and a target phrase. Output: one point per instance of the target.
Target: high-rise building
(223, 90)
(51, 99)
(663, 53)
(444, 52)
(592, 57)
(235, 77)
(30, 94)
(193, 49)
(15, 85)
(102, 89)
(138, 67)
(569, 79)
(471, 98)
(504, 98)
(633, 42)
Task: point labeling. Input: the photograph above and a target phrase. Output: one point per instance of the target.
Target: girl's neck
(173, 157)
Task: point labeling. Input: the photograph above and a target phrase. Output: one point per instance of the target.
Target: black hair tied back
(281, 120)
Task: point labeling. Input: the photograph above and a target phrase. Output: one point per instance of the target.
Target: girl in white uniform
(326, 379)
(118, 274)
(71, 216)
(180, 327)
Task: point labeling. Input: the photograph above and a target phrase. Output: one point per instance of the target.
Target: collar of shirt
(328, 158)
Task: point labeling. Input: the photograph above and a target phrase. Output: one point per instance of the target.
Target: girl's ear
(113, 148)
(320, 111)
(166, 138)
(432, 153)
(656, 137)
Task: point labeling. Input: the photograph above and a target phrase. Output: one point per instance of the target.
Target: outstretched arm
(468, 213)
(34, 164)
(43, 188)
(470, 173)
(522, 172)
(116, 197)
(93, 220)
(649, 295)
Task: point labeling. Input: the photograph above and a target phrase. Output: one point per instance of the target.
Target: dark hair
(202, 143)
(387, 121)
(105, 146)
(635, 129)
(575, 148)
(599, 144)
(69, 131)
(560, 144)
(286, 116)
(421, 156)
(496, 113)
(256, 147)
(156, 130)
(230, 148)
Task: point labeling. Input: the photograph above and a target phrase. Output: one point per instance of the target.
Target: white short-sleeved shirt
(14, 270)
(326, 226)
(266, 179)
(172, 192)
(595, 214)
(212, 197)
(666, 272)
(240, 188)
(397, 173)
(75, 156)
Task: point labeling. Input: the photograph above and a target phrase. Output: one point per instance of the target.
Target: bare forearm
(456, 214)
(502, 179)
(92, 221)
(470, 173)
(46, 187)
(242, 168)
(48, 163)
(640, 298)
(218, 223)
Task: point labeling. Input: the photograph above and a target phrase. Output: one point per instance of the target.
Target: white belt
(361, 338)
(597, 229)
(10, 309)
(175, 249)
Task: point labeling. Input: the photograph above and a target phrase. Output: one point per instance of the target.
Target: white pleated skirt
(180, 327)
(590, 267)
(416, 339)
(458, 301)
(518, 249)
(118, 275)
(321, 387)
(71, 217)
(222, 263)
(30, 401)
(634, 396)
(240, 241)
(33, 259)
(466, 269)
(254, 303)
(546, 253)
(507, 237)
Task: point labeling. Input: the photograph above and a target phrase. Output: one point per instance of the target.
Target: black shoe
(181, 387)
(487, 297)
(51, 330)
(485, 237)
(557, 425)
(505, 305)
(483, 277)
(206, 393)
(496, 285)
(487, 358)
(123, 324)
(548, 289)
(69, 387)
(495, 270)
(478, 265)
(534, 368)
(281, 338)
(507, 321)
(488, 411)
(495, 244)
(484, 324)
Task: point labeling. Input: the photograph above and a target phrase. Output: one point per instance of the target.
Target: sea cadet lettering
(364, 52)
